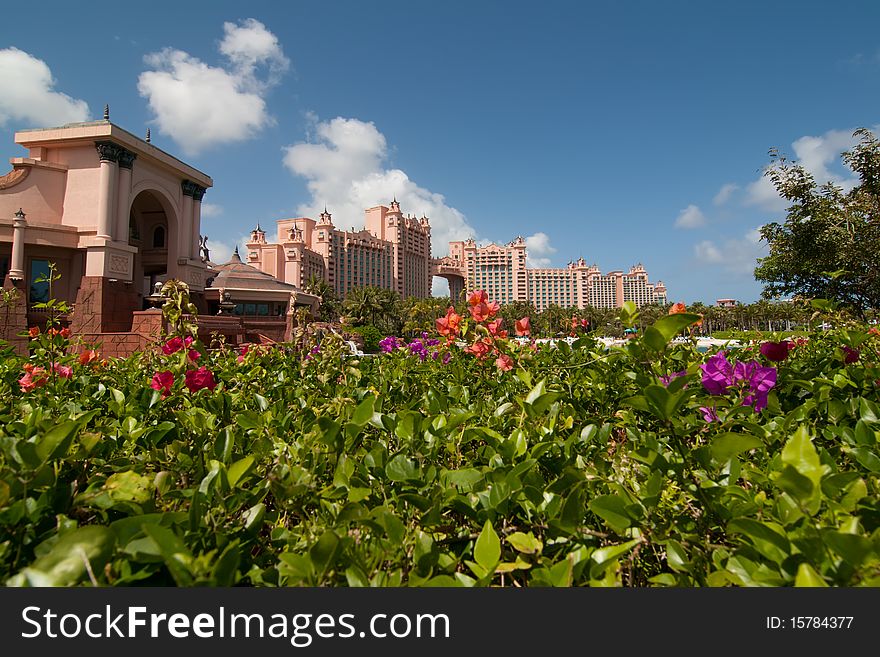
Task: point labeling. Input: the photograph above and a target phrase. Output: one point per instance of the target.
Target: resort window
(39, 291)
(159, 237)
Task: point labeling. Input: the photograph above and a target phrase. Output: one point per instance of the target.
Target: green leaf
(55, 442)
(239, 469)
(364, 411)
(487, 550)
(70, 559)
(658, 335)
(129, 487)
(465, 478)
(400, 468)
(526, 543)
(866, 458)
(612, 509)
(323, 553)
(676, 557)
(726, 445)
(800, 454)
(807, 577)
(225, 568)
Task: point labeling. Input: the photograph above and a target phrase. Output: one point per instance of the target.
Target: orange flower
(448, 326)
(65, 333)
(677, 308)
(495, 328)
(483, 311)
(477, 297)
(88, 356)
(523, 326)
(481, 348)
(504, 363)
(874, 331)
(34, 331)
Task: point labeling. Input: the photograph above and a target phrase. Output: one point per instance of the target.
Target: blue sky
(617, 131)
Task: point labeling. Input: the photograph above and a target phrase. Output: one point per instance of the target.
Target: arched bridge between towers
(453, 271)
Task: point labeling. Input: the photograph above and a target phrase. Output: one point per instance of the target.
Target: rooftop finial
(107, 112)
(148, 135)
(235, 255)
(259, 230)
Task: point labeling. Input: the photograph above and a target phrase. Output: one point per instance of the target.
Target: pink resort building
(503, 273)
(115, 215)
(392, 251)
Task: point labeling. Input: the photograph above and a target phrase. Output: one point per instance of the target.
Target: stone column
(126, 160)
(185, 230)
(108, 152)
(16, 272)
(198, 195)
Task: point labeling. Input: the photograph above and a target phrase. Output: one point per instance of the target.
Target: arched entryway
(153, 231)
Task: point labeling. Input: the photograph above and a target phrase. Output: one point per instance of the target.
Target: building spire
(148, 136)
(107, 112)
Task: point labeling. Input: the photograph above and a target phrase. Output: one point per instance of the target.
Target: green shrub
(371, 336)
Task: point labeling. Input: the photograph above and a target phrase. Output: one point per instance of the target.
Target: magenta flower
(709, 414)
(175, 344)
(389, 344)
(717, 374)
(163, 381)
(760, 379)
(754, 379)
(200, 378)
(667, 378)
(776, 351)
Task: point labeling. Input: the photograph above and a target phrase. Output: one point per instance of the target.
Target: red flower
(477, 297)
(777, 351)
(193, 355)
(850, 355)
(163, 381)
(504, 363)
(523, 326)
(677, 308)
(34, 331)
(200, 378)
(63, 371)
(65, 333)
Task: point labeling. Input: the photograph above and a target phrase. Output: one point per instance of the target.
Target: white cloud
(816, 155)
(738, 256)
(27, 93)
(199, 105)
(221, 250)
(344, 165)
(210, 210)
(707, 252)
(538, 250)
(690, 217)
(724, 194)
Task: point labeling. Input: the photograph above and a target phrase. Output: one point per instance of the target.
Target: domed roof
(237, 275)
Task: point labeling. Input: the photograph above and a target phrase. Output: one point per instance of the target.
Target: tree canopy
(828, 245)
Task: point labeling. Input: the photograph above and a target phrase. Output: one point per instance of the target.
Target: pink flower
(200, 378)
(244, 350)
(495, 328)
(193, 355)
(163, 381)
(504, 363)
(483, 311)
(523, 326)
(776, 351)
(63, 371)
(34, 377)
